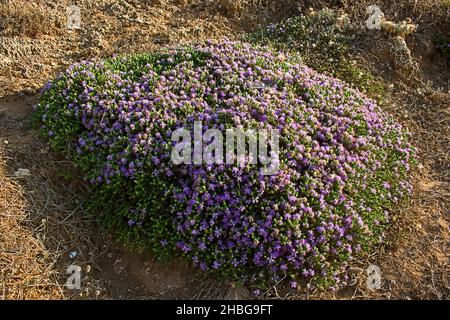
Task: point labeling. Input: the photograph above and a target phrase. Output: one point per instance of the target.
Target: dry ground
(43, 228)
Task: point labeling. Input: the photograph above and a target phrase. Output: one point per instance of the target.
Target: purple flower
(335, 145)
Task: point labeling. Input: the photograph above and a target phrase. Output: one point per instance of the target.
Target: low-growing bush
(324, 39)
(343, 163)
(321, 37)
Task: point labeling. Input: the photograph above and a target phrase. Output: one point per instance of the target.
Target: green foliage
(343, 162)
(443, 44)
(323, 39)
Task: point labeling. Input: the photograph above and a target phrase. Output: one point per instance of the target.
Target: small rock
(20, 173)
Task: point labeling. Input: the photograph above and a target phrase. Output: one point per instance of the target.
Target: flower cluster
(343, 162)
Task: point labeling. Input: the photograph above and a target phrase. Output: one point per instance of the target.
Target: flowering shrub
(325, 40)
(343, 162)
(322, 37)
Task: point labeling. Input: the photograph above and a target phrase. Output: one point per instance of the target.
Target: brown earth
(43, 228)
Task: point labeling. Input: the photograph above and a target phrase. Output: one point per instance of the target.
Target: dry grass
(254, 12)
(40, 214)
(28, 18)
(47, 206)
(26, 266)
(429, 12)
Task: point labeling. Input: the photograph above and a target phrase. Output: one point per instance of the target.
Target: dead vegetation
(41, 215)
(29, 19)
(27, 269)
